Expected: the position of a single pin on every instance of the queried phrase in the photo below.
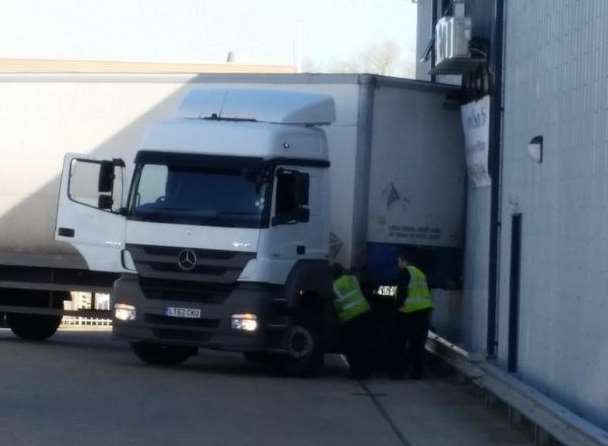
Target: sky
(334, 33)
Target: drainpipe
(433, 23)
(496, 111)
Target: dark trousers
(408, 341)
(383, 313)
(357, 342)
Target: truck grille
(181, 290)
(212, 266)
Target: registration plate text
(190, 313)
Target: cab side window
(96, 184)
(292, 197)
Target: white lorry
(220, 221)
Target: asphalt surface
(84, 388)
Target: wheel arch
(308, 279)
(309, 287)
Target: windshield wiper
(217, 219)
(182, 210)
(222, 217)
(156, 216)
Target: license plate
(190, 313)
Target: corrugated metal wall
(556, 85)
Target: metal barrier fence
(550, 420)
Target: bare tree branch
(385, 58)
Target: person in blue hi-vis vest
(353, 312)
(411, 321)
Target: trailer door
(90, 213)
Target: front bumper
(213, 329)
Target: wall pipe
(433, 23)
(496, 112)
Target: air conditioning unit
(452, 38)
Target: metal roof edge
(414, 84)
(227, 78)
(253, 78)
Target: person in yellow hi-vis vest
(411, 321)
(353, 311)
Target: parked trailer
(396, 178)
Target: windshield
(196, 195)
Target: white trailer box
(392, 139)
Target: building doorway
(514, 289)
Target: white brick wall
(556, 85)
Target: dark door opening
(514, 287)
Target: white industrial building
(536, 256)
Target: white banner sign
(476, 125)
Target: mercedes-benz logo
(186, 260)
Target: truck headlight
(124, 312)
(244, 322)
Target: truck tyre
(159, 354)
(33, 327)
(304, 345)
(36, 327)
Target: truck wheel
(159, 354)
(33, 327)
(304, 345)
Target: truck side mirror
(105, 202)
(106, 178)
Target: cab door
(297, 229)
(90, 214)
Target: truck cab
(222, 238)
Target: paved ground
(87, 389)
